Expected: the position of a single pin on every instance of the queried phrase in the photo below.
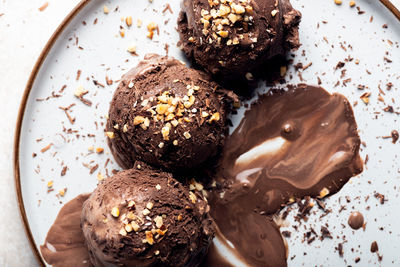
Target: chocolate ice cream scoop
(232, 38)
(167, 115)
(145, 218)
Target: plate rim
(24, 100)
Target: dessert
(167, 115)
(307, 146)
(145, 218)
(232, 38)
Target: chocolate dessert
(308, 145)
(232, 38)
(145, 218)
(167, 115)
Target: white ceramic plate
(98, 50)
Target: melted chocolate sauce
(290, 144)
(65, 245)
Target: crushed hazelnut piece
(145, 212)
(159, 221)
(61, 192)
(132, 49)
(274, 12)
(192, 197)
(179, 218)
(99, 150)
(122, 33)
(128, 228)
(158, 187)
(249, 76)
(324, 192)
(110, 135)
(187, 135)
(352, 3)
(125, 128)
(123, 232)
(135, 226)
(128, 21)
(50, 184)
(130, 85)
(149, 238)
(80, 91)
(157, 252)
(338, 2)
(175, 142)
(138, 120)
(106, 10)
(100, 177)
(161, 145)
(115, 212)
(214, 117)
(131, 204)
(149, 205)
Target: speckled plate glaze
(89, 40)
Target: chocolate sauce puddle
(290, 144)
(64, 245)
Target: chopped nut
(138, 120)
(61, 192)
(125, 128)
(135, 226)
(122, 33)
(238, 9)
(204, 114)
(128, 21)
(80, 91)
(162, 108)
(165, 132)
(128, 228)
(338, 2)
(249, 76)
(324, 192)
(132, 49)
(115, 212)
(106, 10)
(99, 150)
(214, 117)
(161, 145)
(145, 212)
(352, 3)
(274, 12)
(157, 252)
(131, 204)
(100, 177)
(159, 221)
(223, 34)
(130, 85)
(149, 205)
(187, 135)
(192, 197)
(179, 218)
(123, 232)
(149, 238)
(158, 187)
(50, 184)
(365, 97)
(110, 135)
(151, 26)
(145, 124)
(175, 142)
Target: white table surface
(24, 31)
